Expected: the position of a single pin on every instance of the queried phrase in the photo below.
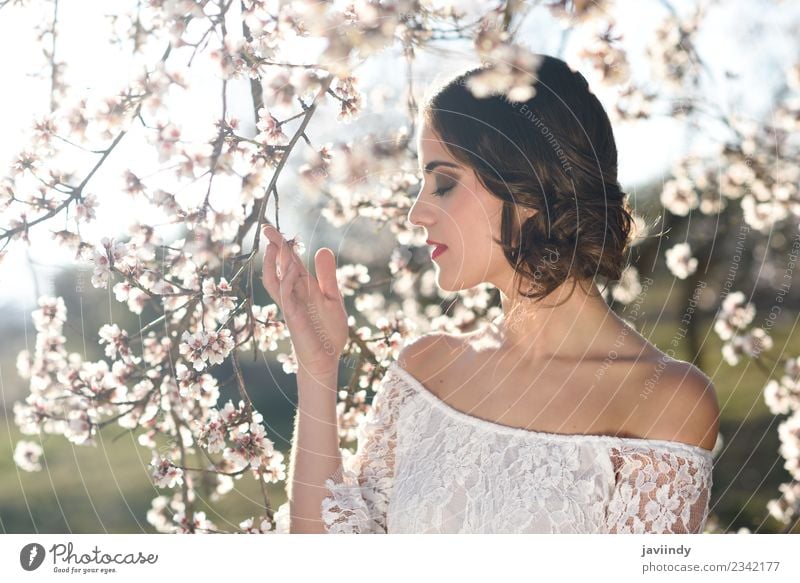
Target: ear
(520, 216)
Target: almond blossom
(202, 347)
(735, 313)
(680, 261)
(787, 507)
(248, 526)
(512, 72)
(218, 297)
(164, 473)
(784, 396)
(629, 286)
(789, 435)
(26, 456)
(212, 433)
(51, 315)
(271, 133)
(116, 341)
(351, 277)
(250, 447)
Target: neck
(573, 329)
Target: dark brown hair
(554, 153)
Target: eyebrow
(430, 166)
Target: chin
(445, 286)
(453, 286)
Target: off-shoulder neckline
(479, 421)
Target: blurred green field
(107, 488)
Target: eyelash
(442, 191)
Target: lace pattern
(658, 492)
(361, 487)
(423, 466)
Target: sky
(742, 37)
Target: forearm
(315, 450)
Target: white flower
(121, 290)
(159, 515)
(731, 351)
(739, 313)
(213, 433)
(136, 300)
(276, 469)
(248, 527)
(789, 435)
(679, 196)
(24, 364)
(271, 132)
(512, 73)
(350, 277)
(763, 216)
(219, 346)
(164, 473)
(755, 342)
(680, 261)
(734, 315)
(629, 287)
(200, 524)
(788, 505)
(250, 447)
(229, 413)
(85, 209)
(224, 485)
(26, 456)
(78, 429)
(102, 269)
(115, 339)
(289, 362)
(51, 315)
(218, 297)
(193, 348)
(779, 399)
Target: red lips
(438, 250)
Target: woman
(557, 417)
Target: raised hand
(313, 310)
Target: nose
(421, 213)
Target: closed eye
(442, 191)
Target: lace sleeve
(360, 488)
(658, 491)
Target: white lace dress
(422, 466)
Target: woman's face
(456, 209)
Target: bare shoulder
(683, 405)
(423, 356)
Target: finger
(268, 275)
(288, 280)
(301, 263)
(276, 240)
(284, 258)
(325, 262)
(286, 253)
(274, 237)
(270, 232)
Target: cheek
(478, 223)
(473, 217)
